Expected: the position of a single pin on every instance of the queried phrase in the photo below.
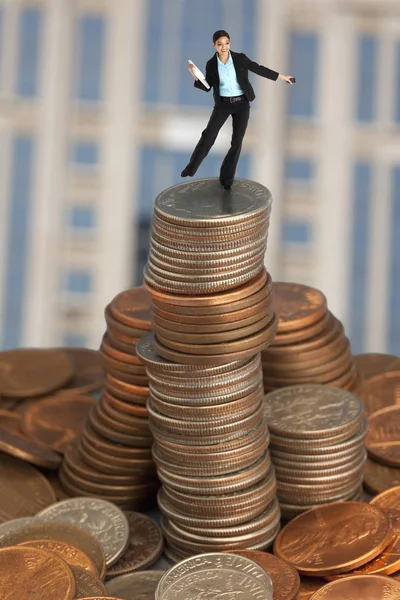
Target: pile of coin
(317, 445)
(113, 459)
(225, 574)
(310, 345)
(69, 547)
(203, 243)
(211, 450)
(353, 544)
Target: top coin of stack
(203, 242)
(310, 345)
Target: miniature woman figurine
(227, 74)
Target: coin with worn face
(87, 584)
(388, 500)
(382, 441)
(102, 519)
(27, 573)
(73, 556)
(335, 538)
(381, 390)
(135, 586)
(297, 305)
(360, 587)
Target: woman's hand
(286, 78)
(191, 69)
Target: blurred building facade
(98, 114)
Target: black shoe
(186, 172)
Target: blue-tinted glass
(85, 153)
(153, 48)
(81, 217)
(394, 273)
(296, 232)
(18, 230)
(79, 282)
(367, 84)
(299, 169)
(397, 85)
(304, 49)
(90, 64)
(30, 30)
(1, 44)
(360, 237)
(74, 340)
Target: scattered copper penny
(25, 491)
(27, 573)
(360, 587)
(73, 556)
(388, 500)
(334, 538)
(133, 307)
(28, 372)
(88, 370)
(309, 585)
(145, 545)
(87, 584)
(285, 578)
(10, 421)
(382, 441)
(20, 446)
(57, 421)
(63, 532)
(371, 364)
(381, 390)
(378, 478)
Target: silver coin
(102, 519)
(204, 203)
(17, 525)
(215, 575)
(135, 586)
(86, 583)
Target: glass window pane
(304, 49)
(82, 217)
(85, 153)
(296, 231)
(30, 30)
(367, 84)
(90, 63)
(397, 85)
(299, 169)
(79, 282)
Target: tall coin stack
(317, 445)
(212, 315)
(310, 345)
(113, 460)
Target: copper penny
(379, 478)
(372, 364)
(20, 446)
(63, 532)
(381, 391)
(28, 372)
(388, 500)
(11, 421)
(334, 538)
(132, 307)
(145, 545)
(382, 441)
(102, 445)
(309, 585)
(297, 305)
(285, 578)
(25, 491)
(109, 349)
(88, 370)
(57, 421)
(73, 556)
(27, 573)
(86, 584)
(360, 587)
(286, 338)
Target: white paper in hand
(199, 75)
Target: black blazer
(243, 65)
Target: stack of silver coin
(317, 445)
(200, 246)
(205, 377)
(215, 575)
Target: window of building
(397, 86)
(1, 45)
(30, 31)
(367, 79)
(85, 154)
(82, 218)
(90, 59)
(298, 169)
(304, 50)
(79, 282)
(296, 231)
(74, 340)
(23, 154)
(393, 323)
(360, 236)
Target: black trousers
(240, 112)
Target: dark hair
(220, 33)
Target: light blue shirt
(228, 83)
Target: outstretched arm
(265, 72)
(197, 83)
